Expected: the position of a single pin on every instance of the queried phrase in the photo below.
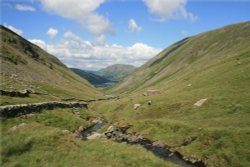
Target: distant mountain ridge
(107, 76)
(93, 78)
(116, 72)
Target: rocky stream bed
(120, 134)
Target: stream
(159, 151)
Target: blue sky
(92, 34)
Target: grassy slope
(42, 142)
(217, 64)
(25, 65)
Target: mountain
(192, 59)
(193, 96)
(93, 78)
(26, 66)
(116, 72)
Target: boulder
(151, 92)
(158, 144)
(200, 102)
(111, 128)
(136, 106)
(95, 136)
(80, 129)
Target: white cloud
(52, 32)
(16, 30)
(25, 8)
(169, 9)
(100, 41)
(82, 11)
(133, 27)
(76, 52)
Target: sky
(93, 34)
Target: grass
(42, 142)
(26, 66)
(216, 66)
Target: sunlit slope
(26, 66)
(214, 66)
(216, 57)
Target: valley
(187, 106)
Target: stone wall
(21, 109)
(12, 93)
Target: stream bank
(120, 134)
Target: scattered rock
(80, 129)
(21, 125)
(14, 128)
(95, 121)
(76, 134)
(30, 115)
(158, 144)
(96, 136)
(200, 102)
(171, 154)
(111, 128)
(151, 92)
(69, 99)
(65, 131)
(136, 106)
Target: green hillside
(94, 79)
(116, 72)
(26, 66)
(193, 55)
(215, 66)
(48, 138)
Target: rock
(171, 154)
(152, 92)
(111, 128)
(95, 121)
(95, 136)
(76, 134)
(69, 99)
(30, 115)
(108, 134)
(21, 125)
(149, 102)
(65, 131)
(80, 129)
(133, 139)
(14, 128)
(136, 106)
(200, 102)
(189, 85)
(158, 144)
